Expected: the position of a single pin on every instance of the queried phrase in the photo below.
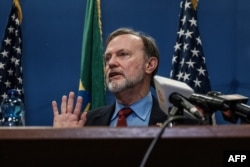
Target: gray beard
(125, 83)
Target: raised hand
(70, 116)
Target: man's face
(124, 62)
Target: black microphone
(211, 104)
(179, 101)
(243, 111)
(237, 104)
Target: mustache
(112, 73)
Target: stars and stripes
(11, 76)
(188, 62)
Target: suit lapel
(103, 115)
(157, 115)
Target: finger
(70, 103)
(78, 106)
(83, 119)
(55, 108)
(64, 104)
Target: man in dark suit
(131, 60)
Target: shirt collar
(141, 108)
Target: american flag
(188, 62)
(11, 76)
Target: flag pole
(194, 4)
(19, 10)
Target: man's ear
(151, 65)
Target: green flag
(91, 86)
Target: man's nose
(112, 62)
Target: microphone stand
(187, 119)
(175, 116)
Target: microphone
(165, 87)
(237, 106)
(181, 102)
(210, 104)
(243, 111)
(171, 97)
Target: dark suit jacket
(102, 115)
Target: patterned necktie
(123, 113)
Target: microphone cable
(157, 137)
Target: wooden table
(104, 146)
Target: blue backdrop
(52, 36)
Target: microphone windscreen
(165, 87)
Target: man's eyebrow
(120, 50)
